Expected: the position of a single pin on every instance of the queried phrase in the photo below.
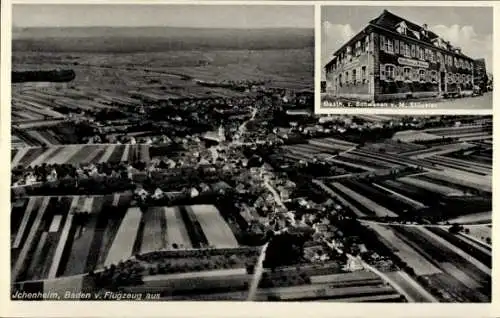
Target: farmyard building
(394, 59)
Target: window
(427, 54)
(440, 57)
(382, 43)
(340, 80)
(389, 46)
(421, 75)
(407, 50)
(402, 28)
(421, 53)
(407, 74)
(396, 47)
(413, 52)
(389, 72)
(354, 76)
(455, 62)
(450, 78)
(358, 48)
(347, 77)
(433, 56)
(363, 74)
(434, 76)
(367, 43)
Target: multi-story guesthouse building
(393, 59)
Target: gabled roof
(389, 20)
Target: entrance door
(443, 81)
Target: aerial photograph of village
(169, 157)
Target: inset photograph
(437, 58)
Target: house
(393, 58)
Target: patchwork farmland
(338, 287)
(452, 186)
(56, 237)
(79, 154)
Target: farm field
(153, 236)
(450, 179)
(124, 241)
(392, 147)
(217, 231)
(366, 161)
(480, 217)
(368, 204)
(56, 237)
(79, 154)
(480, 182)
(358, 286)
(441, 206)
(397, 159)
(438, 150)
(467, 166)
(479, 233)
(440, 189)
(419, 264)
(180, 70)
(451, 131)
(459, 267)
(410, 287)
(177, 235)
(46, 132)
(332, 144)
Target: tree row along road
(418, 225)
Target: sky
(195, 16)
(470, 28)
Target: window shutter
(382, 43)
(396, 46)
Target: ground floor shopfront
(399, 79)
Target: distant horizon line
(158, 26)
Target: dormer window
(424, 29)
(402, 28)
